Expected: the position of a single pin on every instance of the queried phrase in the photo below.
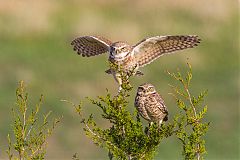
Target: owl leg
(151, 123)
(119, 88)
(147, 128)
(118, 79)
(160, 122)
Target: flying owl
(130, 58)
(150, 104)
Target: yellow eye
(118, 51)
(140, 89)
(150, 89)
(123, 49)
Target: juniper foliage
(190, 122)
(30, 135)
(129, 139)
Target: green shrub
(127, 138)
(30, 135)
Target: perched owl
(150, 104)
(130, 58)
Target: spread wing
(91, 45)
(152, 48)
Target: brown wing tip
(80, 45)
(194, 40)
(73, 43)
(198, 40)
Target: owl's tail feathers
(139, 73)
(165, 118)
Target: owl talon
(160, 122)
(109, 71)
(139, 73)
(119, 88)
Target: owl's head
(146, 89)
(120, 50)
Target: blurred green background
(35, 47)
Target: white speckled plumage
(128, 57)
(150, 104)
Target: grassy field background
(35, 47)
